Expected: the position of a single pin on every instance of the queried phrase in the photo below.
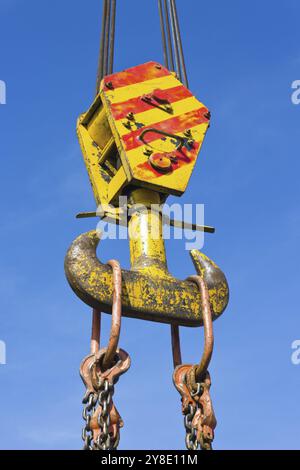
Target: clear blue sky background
(242, 58)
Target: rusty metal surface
(102, 419)
(193, 381)
(204, 421)
(165, 300)
(200, 421)
(96, 325)
(197, 371)
(201, 368)
(176, 350)
(181, 386)
(112, 347)
(116, 315)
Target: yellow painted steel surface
(149, 291)
(144, 295)
(146, 243)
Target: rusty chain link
(97, 409)
(201, 420)
(88, 411)
(100, 371)
(102, 419)
(191, 434)
(193, 381)
(106, 440)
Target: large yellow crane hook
(140, 140)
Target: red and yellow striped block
(151, 114)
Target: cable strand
(163, 33)
(179, 42)
(100, 69)
(169, 37)
(112, 37)
(107, 34)
(175, 42)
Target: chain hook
(195, 376)
(193, 381)
(110, 351)
(198, 370)
(100, 371)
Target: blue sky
(242, 58)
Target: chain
(96, 413)
(90, 403)
(100, 371)
(191, 433)
(199, 418)
(105, 440)
(193, 381)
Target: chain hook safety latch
(100, 371)
(193, 381)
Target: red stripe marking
(137, 105)
(173, 126)
(137, 74)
